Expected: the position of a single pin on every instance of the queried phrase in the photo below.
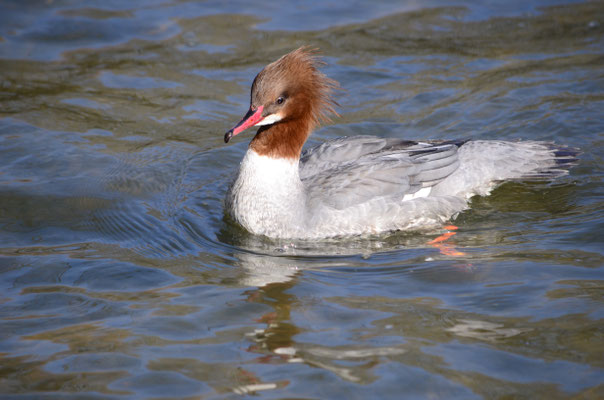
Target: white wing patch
(423, 192)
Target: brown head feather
(299, 71)
(309, 102)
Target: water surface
(121, 277)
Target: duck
(358, 185)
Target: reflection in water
(483, 330)
(263, 270)
(121, 277)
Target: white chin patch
(271, 119)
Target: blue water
(121, 277)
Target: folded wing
(352, 170)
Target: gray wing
(345, 149)
(352, 170)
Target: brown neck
(282, 140)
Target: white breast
(267, 196)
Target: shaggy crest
(310, 83)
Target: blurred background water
(121, 277)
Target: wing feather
(347, 171)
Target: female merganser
(361, 184)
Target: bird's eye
(280, 100)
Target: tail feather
(486, 163)
(563, 157)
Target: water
(121, 277)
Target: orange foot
(444, 248)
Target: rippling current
(121, 277)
